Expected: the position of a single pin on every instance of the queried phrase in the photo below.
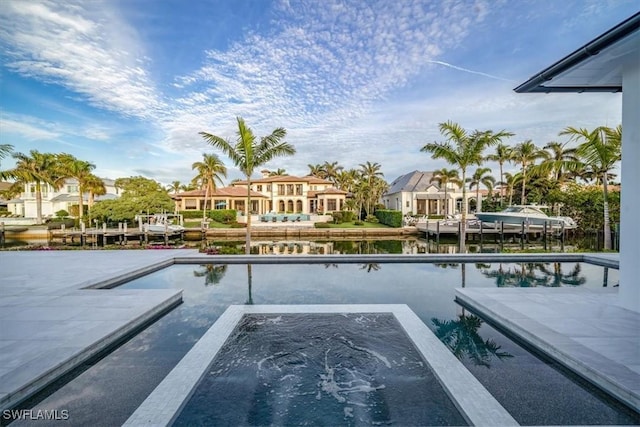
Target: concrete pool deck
(50, 323)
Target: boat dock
(121, 235)
(477, 231)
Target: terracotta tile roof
(331, 190)
(286, 178)
(219, 192)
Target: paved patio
(49, 323)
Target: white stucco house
(610, 63)
(54, 200)
(416, 194)
(281, 194)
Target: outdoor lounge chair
(285, 219)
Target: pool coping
(472, 400)
(48, 371)
(609, 375)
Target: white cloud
(19, 125)
(82, 46)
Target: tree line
(543, 170)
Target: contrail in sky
(469, 71)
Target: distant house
(54, 200)
(280, 193)
(415, 193)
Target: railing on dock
(100, 236)
(477, 231)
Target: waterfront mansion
(280, 193)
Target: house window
(259, 187)
(289, 189)
(190, 204)
(298, 189)
(331, 204)
(280, 189)
(299, 206)
(407, 203)
(269, 187)
(72, 189)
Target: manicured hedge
(224, 216)
(389, 217)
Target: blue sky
(128, 84)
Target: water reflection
(526, 275)
(462, 338)
(370, 267)
(212, 273)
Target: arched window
(299, 206)
(281, 206)
(290, 206)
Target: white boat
(160, 223)
(530, 215)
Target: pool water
(535, 391)
(319, 369)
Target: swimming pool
(532, 389)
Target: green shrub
(224, 216)
(372, 219)
(337, 217)
(359, 223)
(56, 224)
(389, 217)
(321, 225)
(348, 216)
(62, 213)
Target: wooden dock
(121, 235)
(476, 231)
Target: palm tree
(37, 168)
(347, 179)
(278, 172)
(316, 170)
(209, 171)
(81, 171)
(5, 149)
(247, 153)
(95, 186)
(369, 173)
(463, 150)
(560, 163)
(502, 154)
(526, 153)
(480, 176)
(600, 151)
(331, 171)
(443, 177)
(175, 187)
(510, 182)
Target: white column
(629, 293)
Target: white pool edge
(473, 401)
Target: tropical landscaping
(575, 177)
